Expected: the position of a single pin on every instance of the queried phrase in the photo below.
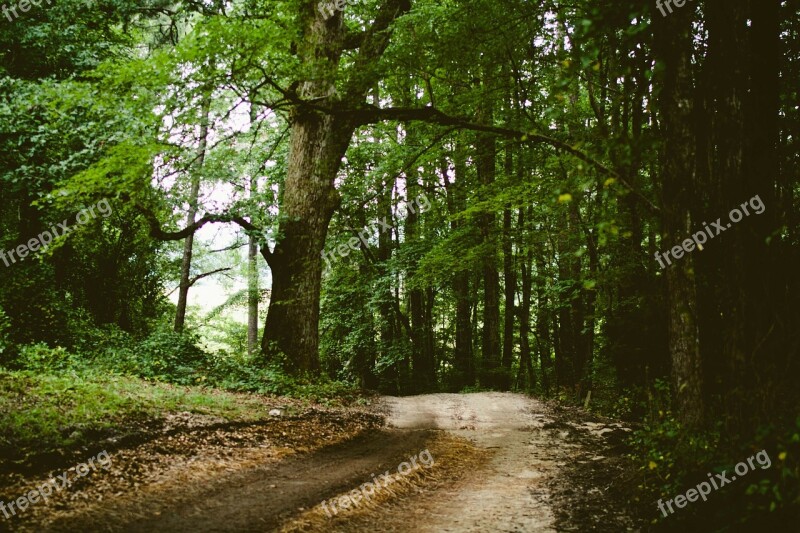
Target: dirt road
(504, 463)
(511, 493)
(542, 476)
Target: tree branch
(369, 114)
(158, 233)
(197, 278)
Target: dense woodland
(419, 196)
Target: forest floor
(483, 462)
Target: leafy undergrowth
(672, 460)
(169, 357)
(49, 420)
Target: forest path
(543, 468)
(511, 493)
(499, 462)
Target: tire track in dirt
(255, 499)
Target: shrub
(5, 327)
(163, 355)
(42, 358)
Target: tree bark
(318, 143)
(510, 284)
(464, 370)
(673, 47)
(543, 321)
(525, 360)
(188, 243)
(422, 364)
(486, 156)
(252, 283)
(389, 327)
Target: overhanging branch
(369, 114)
(158, 233)
(197, 278)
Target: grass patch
(46, 413)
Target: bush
(170, 357)
(41, 358)
(5, 327)
(672, 460)
(163, 355)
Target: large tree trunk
(745, 135)
(768, 268)
(673, 48)
(317, 144)
(567, 328)
(727, 35)
(580, 341)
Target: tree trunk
(768, 268)
(422, 365)
(580, 340)
(464, 371)
(567, 328)
(525, 362)
(318, 143)
(388, 324)
(543, 337)
(188, 243)
(252, 283)
(509, 282)
(673, 46)
(490, 347)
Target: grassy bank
(46, 417)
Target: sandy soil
(544, 469)
(510, 493)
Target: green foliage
(5, 326)
(167, 357)
(42, 358)
(777, 494)
(348, 324)
(672, 460)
